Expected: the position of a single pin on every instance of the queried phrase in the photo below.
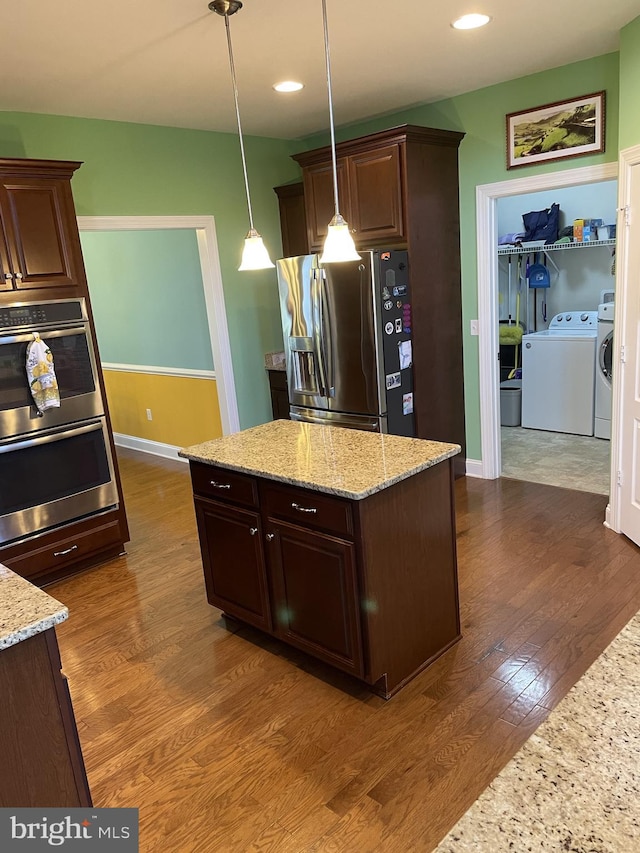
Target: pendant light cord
(333, 136)
(235, 96)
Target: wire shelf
(553, 247)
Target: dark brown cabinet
(41, 260)
(233, 561)
(368, 586)
(399, 188)
(41, 243)
(315, 594)
(42, 760)
(293, 219)
(279, 394)
(371, 199)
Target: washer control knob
(568, 317)
(584, 317)
(559, 318)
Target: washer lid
(586, 334)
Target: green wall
(481, 115)
(147, 296)
(143, 170)
(138, 169)
(630, 84)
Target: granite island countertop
(346, 462)
(25, 609)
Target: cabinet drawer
(222, 484)
(58, 553)
(309, 508)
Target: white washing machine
(604, 367)
(558, 375)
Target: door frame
(487, 196)
(205, 229)
(629, 158)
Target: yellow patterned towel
(41, 375)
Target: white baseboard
(474, 468)
(156, 448)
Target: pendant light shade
(254, 254)
(339, 245)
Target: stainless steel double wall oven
(57, 466)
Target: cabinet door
(318, 196)
(42, 232)
(375, 190)
(6, 274)
(293, 219)
(315, 586)
(233, 561)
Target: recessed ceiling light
(470, 22)
(288, 86)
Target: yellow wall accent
(185, 410)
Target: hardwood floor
(227, 740)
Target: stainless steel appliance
(55, 467)
(348, 340)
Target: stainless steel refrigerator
(347, 331)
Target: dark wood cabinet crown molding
(402, 133)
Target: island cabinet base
(42, 759)
(368, 586)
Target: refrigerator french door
(347, 332)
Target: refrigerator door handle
(317, 300)
(326, 340)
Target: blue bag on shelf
(542, 224)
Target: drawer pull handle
(303, 508)
(253, 530)
(271, 537)
(65, 552)
(217, 485)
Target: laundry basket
(511, 402)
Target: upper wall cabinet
(39, 243)
(371, 190)
(293, 221)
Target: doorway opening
(212, 300)
(489, 308)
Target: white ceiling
(165, 61)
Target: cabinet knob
(220, 485)
(8, 276)
(19, 275)
(303, 508)
(253, 530)
(270, 537)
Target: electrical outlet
(149, 415)
(474, 327)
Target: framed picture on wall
(556, 131)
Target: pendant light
(338, 245)
(254, 254)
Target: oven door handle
(50, 438)
(52, 333)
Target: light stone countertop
(25, 610)
(346, 462)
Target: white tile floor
(556, 458)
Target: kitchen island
(339, 542)
(42, 760)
